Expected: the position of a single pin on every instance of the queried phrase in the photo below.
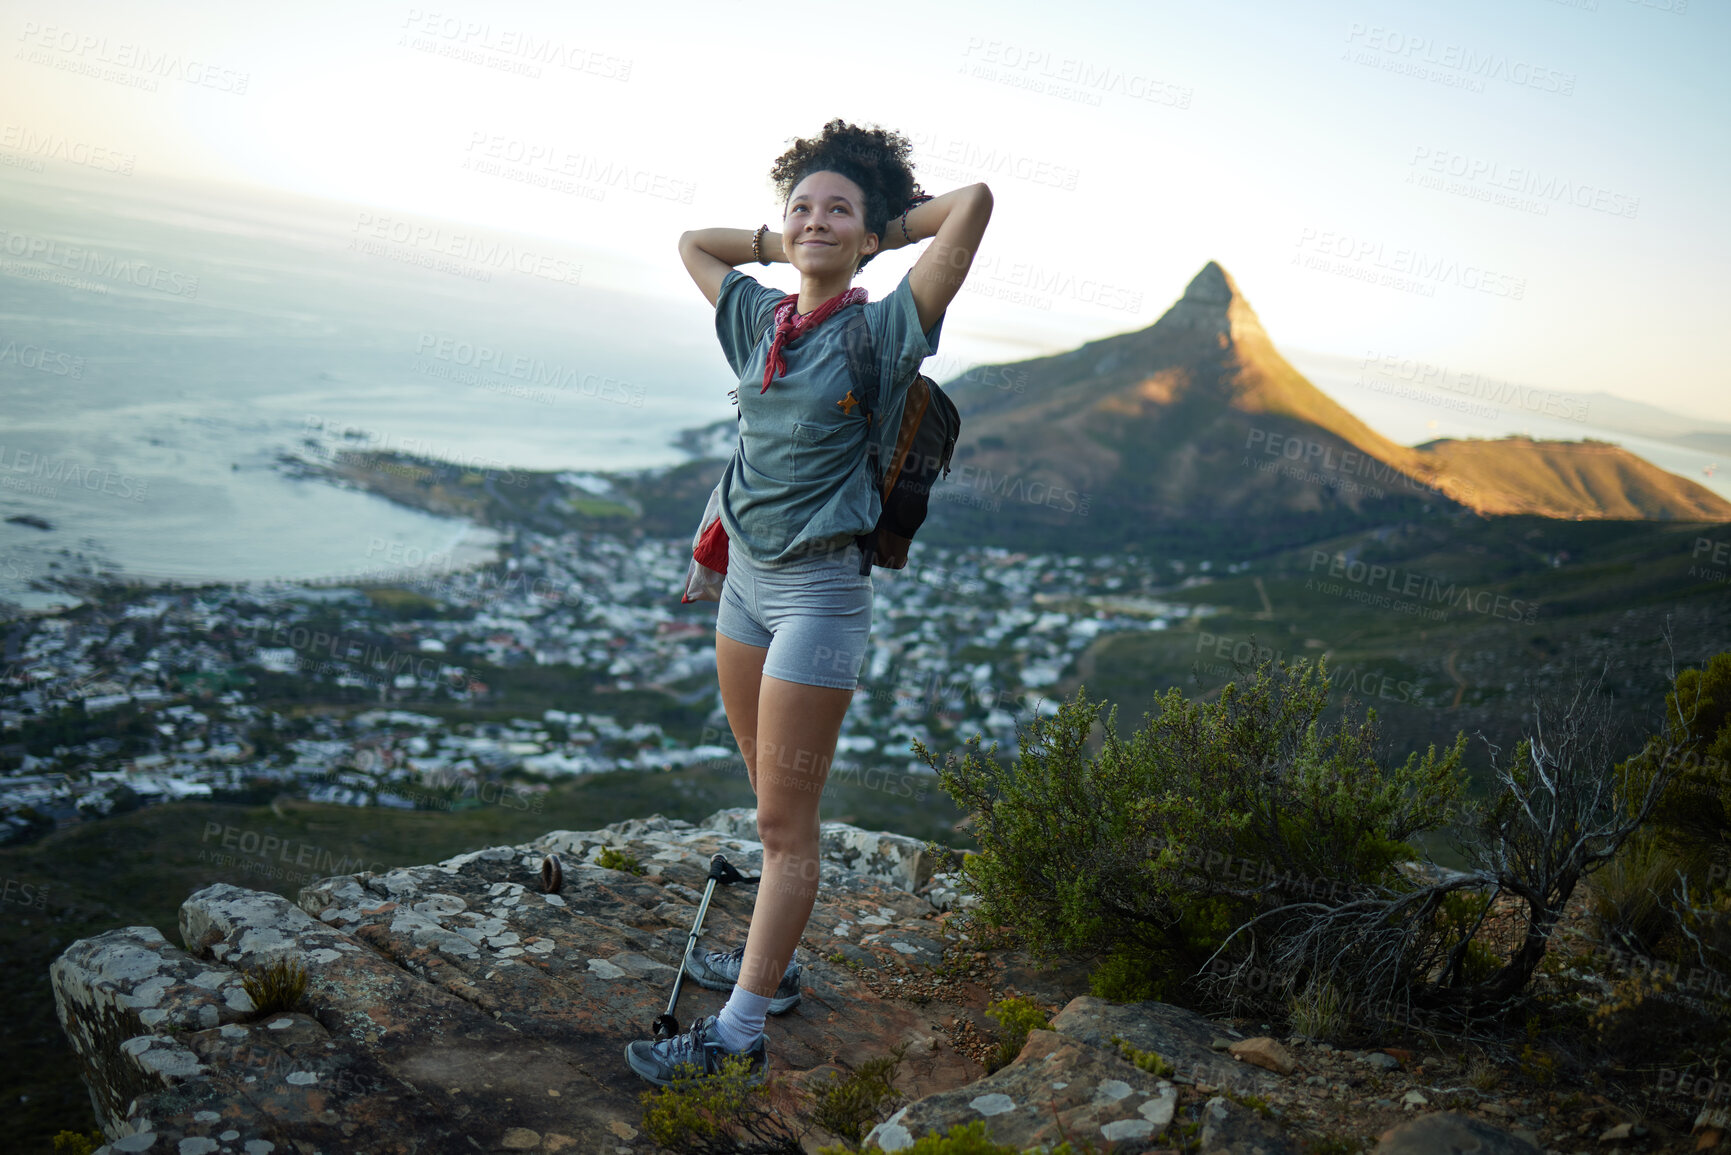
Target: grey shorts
(813, 614)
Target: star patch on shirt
(849, 403)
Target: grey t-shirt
(798, 480)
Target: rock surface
(1451, 1133)
(1264, 1052)
(457, 1007)
(1230, 1128)
(1058, 1087)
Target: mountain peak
(1212, 286)
(1213, 306)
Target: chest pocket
(824, 449)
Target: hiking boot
(695, 1054)
(719, 971)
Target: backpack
(927, 438)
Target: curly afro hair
(873, 158)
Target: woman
(791, 630)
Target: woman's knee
(787, 831)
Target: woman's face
(824, 231)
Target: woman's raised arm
(709, 253)
(956, 221)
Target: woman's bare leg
(787, 735)
(797, 727)
(740, 668)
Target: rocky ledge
(459, 1007)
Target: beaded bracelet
(757, 245)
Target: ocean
(162, 349)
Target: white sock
(741, 1020)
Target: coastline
(471, 544)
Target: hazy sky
(1532, 189)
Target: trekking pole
(724, 872)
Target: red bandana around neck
(790, 326)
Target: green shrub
(1318, 1011)
(721, 1114)
(1459, 917)
(1212, 813)
(1694, 813)
(1151, 1061)
(1665, 899)
(1631, 895)
(618, 860)
(1254, 1102)
(1126, 977)
(1640, 900)
(1017, 1016)
(73, 1143)
(275, 987)
(848, 1106)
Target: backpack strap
(862, 365)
